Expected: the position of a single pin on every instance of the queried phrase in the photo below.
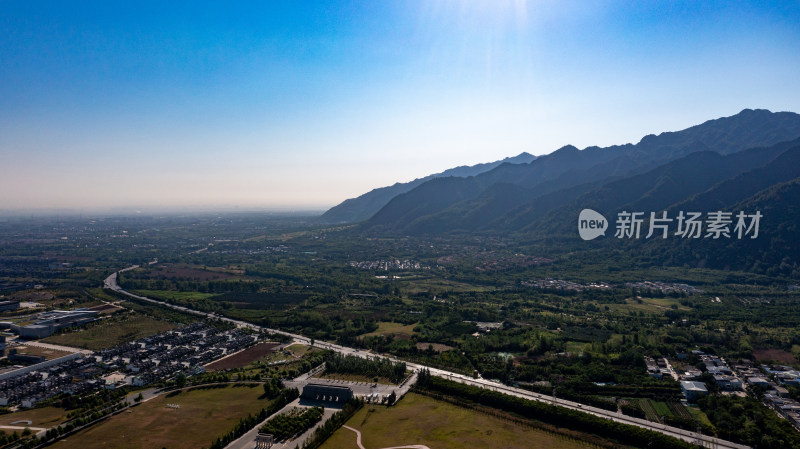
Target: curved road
(685, 435)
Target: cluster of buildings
(773, 380)
(664, 287)
(560, 284)
(161, 356)
(725, 378)
(145, 361)
(693, 390)
(8, 304)
(659, 367)
(391, 264)
(27, 386)
(45, 324)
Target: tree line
(372, 367)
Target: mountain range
(748, 161)
(365, 206)
(658, 171)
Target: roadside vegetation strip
(375, 367)
(293, 422)
(560, 416)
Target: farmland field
(417, 419)
(187, 272)
(111, 332)
(243, 358)
(662, 408)
(395, 329)
(201, 416)
(776, 355)
(647, 407)
(172, 296)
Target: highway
(692, 437)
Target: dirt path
(53, 347)
(361, 446)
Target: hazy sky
(300, 103)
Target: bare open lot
(47, 353)
(243, 358)
(776, 355)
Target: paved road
(692, 437)
(248, 440)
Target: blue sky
(304, 104)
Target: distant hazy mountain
(365, 206)
(656, 172)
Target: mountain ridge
(562, 173)
(358, 209)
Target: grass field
(422, 283)
(419, 419)
(298, 349)
(40, 417)
(188, 272)
(649, 305)
(395, 329)
(101, 294)
(203, 416)
(661, 408)
(700, 417)
(169, 295)
(111, 332)
(577, 347)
